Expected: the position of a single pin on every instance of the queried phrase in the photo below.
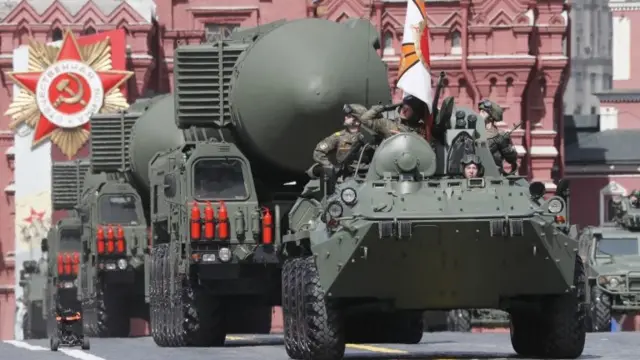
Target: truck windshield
(618, 246)
(219, 179)
(118, 209)
(70, 240)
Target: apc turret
(222, 160)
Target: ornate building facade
(511, 51)
(603, 152)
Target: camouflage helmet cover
(355, 110)
(493, 110)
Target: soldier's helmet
(492, 109)
(471, 159)
(418, 106)
(356, 110)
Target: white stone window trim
(611, 189)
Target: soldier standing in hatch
(410, 118)
(500, 143)
(471, 166)
(339, 143)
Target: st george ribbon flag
(413, 76)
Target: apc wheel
(559, 331)
(322, 328)
(113, 317)
(86, 345)
(54, 343)
(600, 314)
(459, 321)
(289, 309)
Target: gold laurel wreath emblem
(24, 109)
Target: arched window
(456, 42)
(56, 34)
(388, 44)
(608, 196)
(89, 31)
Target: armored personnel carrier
(223, 161)
(33, 278)
(407, 233)
(612, 258)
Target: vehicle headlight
(555, 206)
(122, 264)
(208, 257)
(224, 254)
(613, 282)
(349, 196)
(334, 210)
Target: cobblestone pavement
(442, 346)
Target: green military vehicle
(407, 233)
(33, 278)
(612, 258)
(114, 247)
(223, 161)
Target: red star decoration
(34, 215)
(68, 51)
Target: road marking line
(377, 349)
(79, 354)
(25, 345)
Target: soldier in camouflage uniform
(339, 143)
(410, 118)
(499, 142)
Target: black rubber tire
(54, 343)
(600, 314)
(322, 330)
(405, 327)
(86, 345)
(201, 316)
(459, 320)
(155, 293)
(558, 332)
(113, 317)
(289, 310)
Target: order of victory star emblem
(63, 88)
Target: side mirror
(169, 186)
(537, 189)
(563, 189)
(44, 245)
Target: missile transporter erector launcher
(409, 233)
(113, 249)
(612, 258)
(218, 160)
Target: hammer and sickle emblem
(74, 97)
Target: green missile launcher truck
(408, 233)
(223, 160)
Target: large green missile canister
(275, 91)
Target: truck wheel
(155, 291)
(559, 331)
(600, 310)
(322, 327)
(289, 309)
(201, 316)
(405, 327)
(459, 320)
(113, 319)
